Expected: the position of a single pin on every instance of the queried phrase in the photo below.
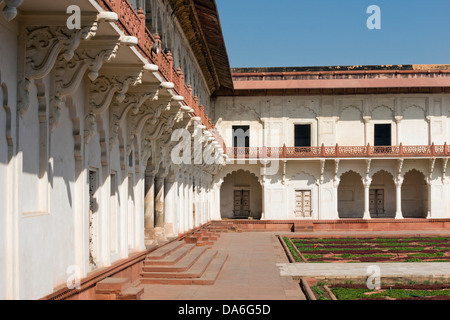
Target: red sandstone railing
(340, 152)
(132, 23)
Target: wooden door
(380, 201)
(241, 203)
(376, 201)
(302, 203)
(372, 201)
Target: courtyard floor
(250, 273)
(257, 269)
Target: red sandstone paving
(250, 273)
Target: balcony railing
(132, 23)
(340, 152)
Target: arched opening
(241, 196)
(414, 195)
(351, 196)
(382, 195)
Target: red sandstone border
(125, 266)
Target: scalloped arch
(350, 171)
(225, 176)
(298, 174)
(351, 107)
(308, 109)
(416, 170)
(382, 106)
(383, 171)
(414, 106)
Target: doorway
(241, 204)
(376, 202)
(302, 203)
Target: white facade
(90, 129)
(339, 187)
(85, 134)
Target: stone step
(173, 257)
(164, 251)
(185, 263)
(303, 227)
(191, 239)
(211, 273)
(111, 288)
(195, 271)
(208, 277)
(132, 293)
(112, 284)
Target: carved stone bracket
(336, 169)
(322, 171)
(43, 46)
(68, 75)
(133, 102)
(105, 89)
(444, 170)
(432, 164)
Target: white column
(181, 206)
(216, 214)
(187, 202)
(366, 129)
(139, 218)
(169, 206)
(367, 183)
(398, 185)
(264, 215)
(335, 198)
(149, 207)
(398, 123)
(429, 204)
(191, 202)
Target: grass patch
(292, 249)
(413, 260)
(313, 256)
(375, 255)
(352, 294)
(427, 255)
(319, 292)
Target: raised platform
(341, 225)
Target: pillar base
(398, 216)
(169, 230)
(160, 235)
(367, 216)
